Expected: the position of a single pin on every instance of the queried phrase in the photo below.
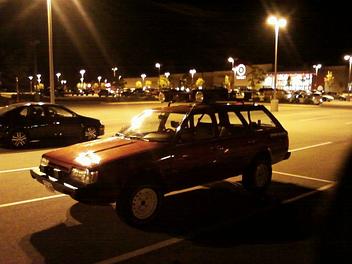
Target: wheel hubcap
(19, 139)
(144, 203)
(90, 133)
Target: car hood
(106, 150)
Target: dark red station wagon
(166, 149)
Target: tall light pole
(58, 76)
(51, 56)
(349, 59)
(316, 67)
(143, 75)
(232, 61)
(192, 72)
(82, 72)
(30, 83)
(277, 22)
(114, 69)
(158, 65)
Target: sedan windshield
(154, 126)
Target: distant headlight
(84, 175)
(44, 162)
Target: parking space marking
(16, 170)
(303, 177)
(311, 146)
(32, 200)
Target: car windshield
(152, 125)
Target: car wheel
(90, 133)
(140, 205)
(18, 139)
(257, 177)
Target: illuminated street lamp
(99, 79)
(167, 74)
(158, 65)
(39, 76)
(82, 72)
(143, 75)
(316, 67)
(58, 76)
(30, 83)
(277, 22)
(349, 59)
(114, 69)
(232, 61)
(192, 72)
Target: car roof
(185, 108)
(15, 105)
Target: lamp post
(114, 69)
(58, 76)
(277, 22)
(99, 80)
(158, 65)
(51, 56)
(192, 72)
(232, 61)
(82, 72)
(30, 83)
(349, 59)
(167, 74)
(316, 67)
(143, 75)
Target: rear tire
(18, 139)
(139, 205)
(257, 177)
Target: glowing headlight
(88, 158)
(44, 162)
(84, 175)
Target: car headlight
(44, 162)
(84, 175)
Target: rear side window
(258, 119)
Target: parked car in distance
(22, 123)
(166, 149)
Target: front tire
(139, 205)
(257, 177)
(90, 133)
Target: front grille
(55, 171)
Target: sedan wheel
(18, 139)
(139, 206)
(90, 133)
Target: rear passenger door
(237, 143)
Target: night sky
(135, 34)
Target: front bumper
(88, 194)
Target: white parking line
(303, 177)
(33, 200)
(16, 170)
(312, 146)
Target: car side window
(234, 127)
(55, 111)
(260, 120)
(203, 127)
(24, 112)
(37, 111)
